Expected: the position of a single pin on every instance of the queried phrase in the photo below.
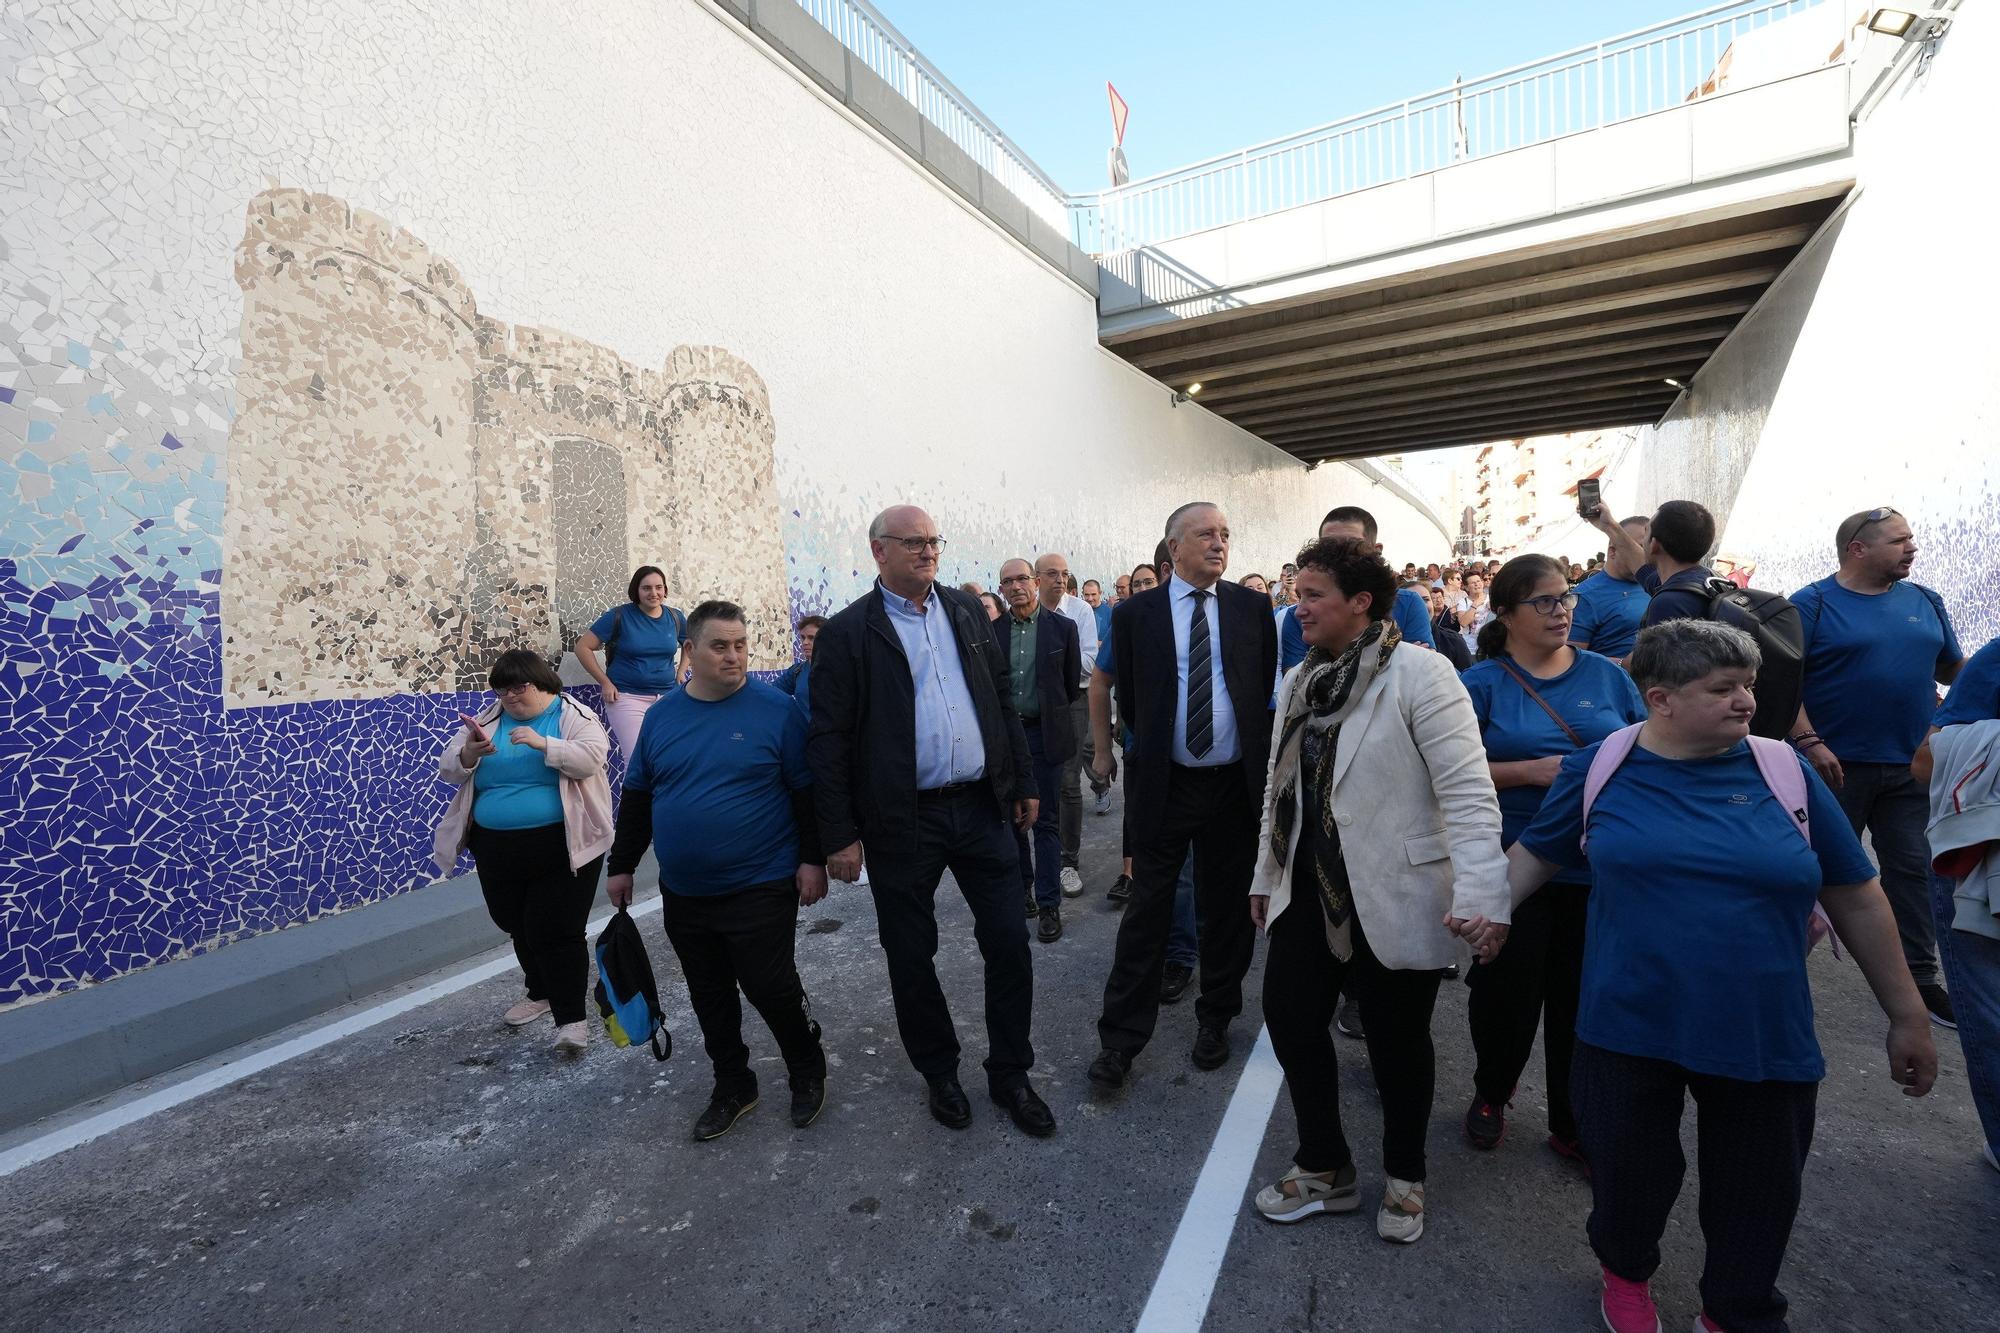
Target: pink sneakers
(1628, 1306)
(1703, 1324)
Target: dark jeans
(543, 905)
(1751, 1139)
(744, 939)
(1539, 973)
(1886, 800)
(1184, 940)
(1041, 869)
(1208, 809)
(963, 831)
(1302, 982)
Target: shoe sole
(1076, 892)
(1348, 1032)
(1046, 938)
(1410, 1239)
(1945, 1023)
(1106, 1085)
(1484, 1146)
(523, 1022)
(1614, 1328)
(1209, 1065)
(747, 1108)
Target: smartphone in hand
(1589, 498)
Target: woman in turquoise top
(1538, 700)
(518, 757)
(643, 642)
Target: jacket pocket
(1427, 847)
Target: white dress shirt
(1085, 617)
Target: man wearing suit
(918, 759)
(1192, 663)
(1045, 664)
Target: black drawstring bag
(627, 997)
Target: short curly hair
(1356, 567)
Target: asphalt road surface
(439, 1172)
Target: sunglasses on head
(1862, 522)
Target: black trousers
(543, 905)
(1210, 809)
(1752, 1140)
(1302, 985)
(744, 940)
(1533, 983)
(961, 830)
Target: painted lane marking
(1179, 1299)
(75, 1135)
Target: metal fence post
(1409, 165)
(1600, 85)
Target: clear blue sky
(1205, 78)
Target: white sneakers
(572, 1038)
(524, 1013)
(1072, 883)
(1401, 1216)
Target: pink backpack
(1776, 764)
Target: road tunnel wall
(344, 343)
(1870, 373)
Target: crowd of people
(1546, 773)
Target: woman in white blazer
(1380, 821)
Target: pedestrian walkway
(438, 1171)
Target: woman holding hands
(1706, 859)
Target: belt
(951, 789)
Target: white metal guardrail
(1617, 79)
(861, 28)
(1634, 74)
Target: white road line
(104, 1122)
(1180, 1296)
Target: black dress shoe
(1051, 928)
(724, 1109)
(1031, 1114)
(948, 1104)
(1108, 1070)
(1120, 890)
(1174, 982)
(1034, 908)
(1211, 1048)
(808, 1097)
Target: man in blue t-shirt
(1412, 613)
(1611, 604)
(719, 774)
(1877, 647)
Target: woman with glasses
(1538, 701)
(534, 808)
(642, 648)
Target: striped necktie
(1201, 683)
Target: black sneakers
(808, 1099)
(1939, 1003)
(1485, 1124)
(1120, 890)
(725, 1108)
(1211, 1048)
(1174, 981)
(1050, 929)
(1347, 1020)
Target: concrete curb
(67, 1050)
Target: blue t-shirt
(1871, 666)
(1410, 611)
(1103, 612)
(644, 658)
(1695, 945)
(1975, 695)
(1678, 598)
(514, 787)
(1594, 696)
(1608, 614)
(721, 773)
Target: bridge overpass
(1556, 247)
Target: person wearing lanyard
(1538, 700)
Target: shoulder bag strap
(1611, 752)
(1521, 679)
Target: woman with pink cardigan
(534, 808)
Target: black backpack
(627, 997)
(1775, 624)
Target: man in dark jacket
(1191, 664)
(918, 761)
(1044, 663)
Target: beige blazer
(578, 755)
(1419, 821)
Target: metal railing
(1635, 74)
(860, 28)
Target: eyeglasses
(1864, 521)
(1017, 578)
(917, 545)
(507, 691)
(1549, 605)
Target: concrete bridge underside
(1503, 303)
